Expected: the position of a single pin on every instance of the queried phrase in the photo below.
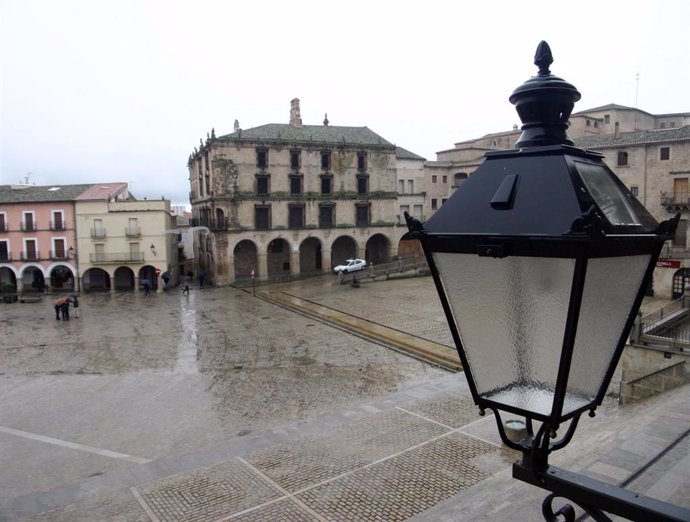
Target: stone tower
(295, 118)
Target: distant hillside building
(649, 153)
(293, 199)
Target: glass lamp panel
(611, 286)
(511, 315)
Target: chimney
(295, 118)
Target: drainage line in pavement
(644, 468)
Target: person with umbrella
(62, 307)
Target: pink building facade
(38, 238)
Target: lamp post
(540, 261)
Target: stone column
(326, 260)
(294, 262)
(262, 269)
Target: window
(362, 215)
(417, 211)
(326, 216)
(434, 179)
(362, 161)
(262, 185)
(445, 179)
(295, 157)
(295, 185)
(362, 184)
(664, 153)
(662, 125)
(410, 186)
(635, 190)
(589, 123)
(262, 158)
(262, 217)
(622, 160)
(3, 222)
(57, 223)
(325, 160)
(326, 184)
(132, 227)
(459, 178)
(672, 124)
(98, 230)
(434, 203)
(30, 250)
(607, 119)
(59, 251)
(401, 186)
(28, 222)
(4, 250)
(596, 124)
(296, 216)
(443, 201)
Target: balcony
(58, 255)
(28, 227)
(5, 256)
(104, 258)
(133, 232)
(212, 224)
(676, 201)
(57, 225)
(30, 256)
(98, 233)
(4, 227)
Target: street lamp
(541, 260)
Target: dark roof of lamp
(624, 139)
(323, 134)
(33, 193)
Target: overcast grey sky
(94, 91)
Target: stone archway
(95, 279)
(32, 279)
(246, 259)
(147, 273)
(310, 256)
(378, 249)
(343, 248)
(8, 280)
(62, 278)
(123, 279)
(278, 258)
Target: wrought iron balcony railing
(28, 227)
(57, 225)
(58, 254)
(133, 231)
(675, 201)
(116, 257)
(30, 256)
(98, 232)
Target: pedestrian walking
(166, 279)
(187, 280)
(202, 277)
(57, 311)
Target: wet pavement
(220, 405)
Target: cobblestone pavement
(220, 406)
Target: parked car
(351, 265)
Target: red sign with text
(668, 263)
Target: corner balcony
(676, 201)
(105, 258)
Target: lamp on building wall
(540, 261)
(153, 249)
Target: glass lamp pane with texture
(510, 314)
(611, 286)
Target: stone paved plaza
(222, 406)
